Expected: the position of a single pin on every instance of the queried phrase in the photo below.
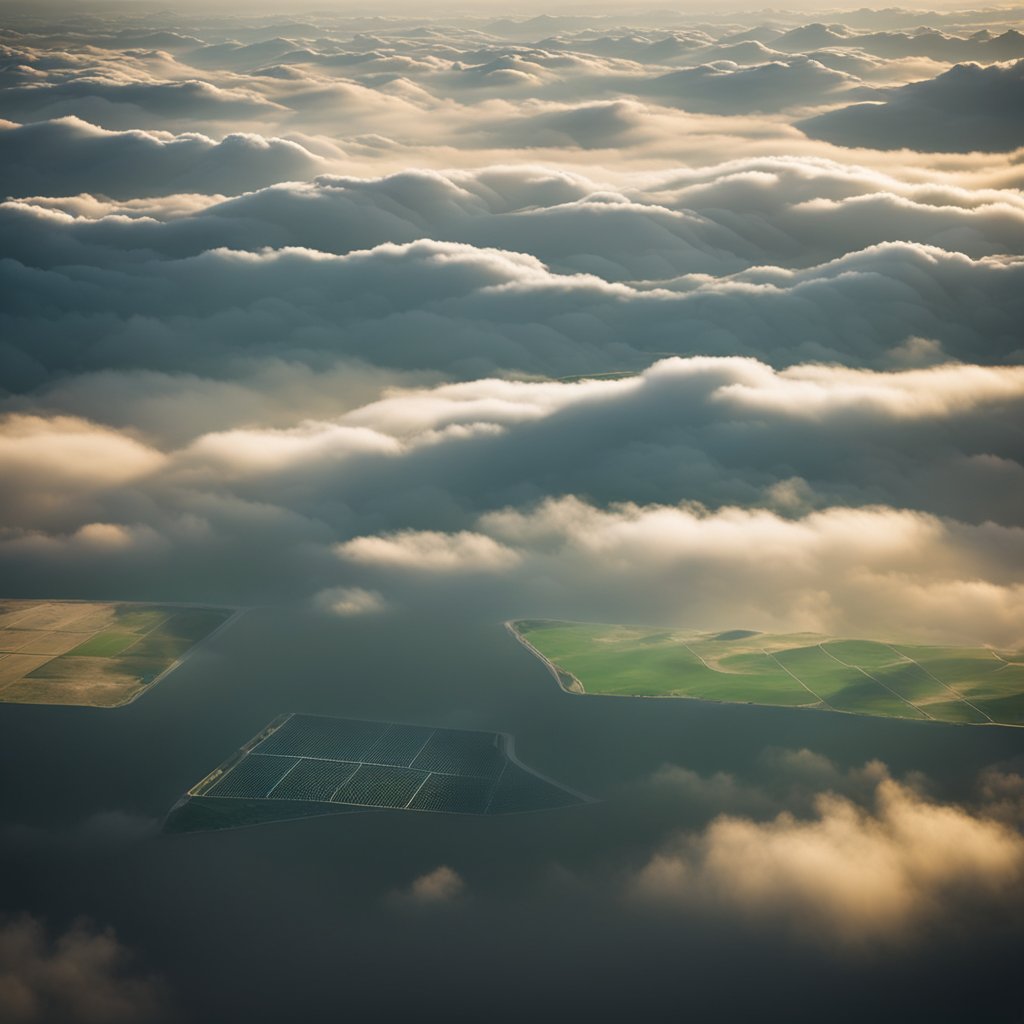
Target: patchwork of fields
(305, 765)
(93, 654)
(974, 685)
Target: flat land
(93, 654)
(975, 685)
(307, 765)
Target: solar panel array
(344, 761)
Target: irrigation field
(87, 653)
(304, 765)
(974, 685)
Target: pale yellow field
(14, 666)
(36, 641)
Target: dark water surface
(299, 921)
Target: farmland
(309, 765)
(94, 654)
(971, 685)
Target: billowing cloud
(82, 976)
(429, 551)
(869, 571)
(469, 311)
(847, 874)
(967, 108)
(815, 491)
(69, 156)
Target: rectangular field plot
(314, 780)
(965, 685)
(399, 745)
(311, 761)
(375, 785)
(464, 794)
(253, 777)
(461, 753)
(93, 654)
(336, 739)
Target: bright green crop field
(976, 685)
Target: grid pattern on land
(253, 777)
(333, 739)
(400, 745)
(375, 764)
(461, 753)
(375, 785)
(464, 794)
(314, 780)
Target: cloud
(122, 105)
(870, 571)
(349, 601)
(797, 346)
(429, 551)
(467, 311)
(698, 467)
(710, 222)
(48, 461)
(437, 887)
(848, 874)
(967, 108)
(82, 976)
(726, 87)
(69, 156)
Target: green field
(104, 645)
(976, 685)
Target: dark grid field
(318, 763)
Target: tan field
(93, 654)
(34, 641)
(14, 666)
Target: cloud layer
(81, 976)
(852, 873)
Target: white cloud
(430, 551)
(847, 874)
(349, 601)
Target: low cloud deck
(309, 764)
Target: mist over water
(391, 325)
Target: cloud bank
(849, 874)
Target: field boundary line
(298, 761)
(798, 679)
(899, 696)
(405, 806)
(378, 764)
(433, 733)
(956, 693)
(702, 661)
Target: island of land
(975, 685)
(303, 766)
(95, 654)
